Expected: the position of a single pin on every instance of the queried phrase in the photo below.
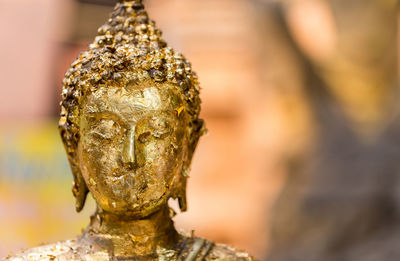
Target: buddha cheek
(114, 180)
(158, 170)
(99, 163)
(156, 155)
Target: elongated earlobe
(196, 132)
(79, 188)
(182, 199)
(179, 192)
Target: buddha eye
(153, 129)
(106, 129)
(101, 136)
(144, 137)
(159, 134)
(160, 128)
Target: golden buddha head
(130, 117)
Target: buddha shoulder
(64, 250)
(223, 252)
(198, 249)
(189, 249)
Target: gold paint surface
(130, 124)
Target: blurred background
(300, 98)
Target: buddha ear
(181, 195)
(198, 129)
(196, 132)
(79, 188)
(179, 192)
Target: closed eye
(160, 134)
(143, 137)
(101, 135)
(106, 129)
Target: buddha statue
(130, 124)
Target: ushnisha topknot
(128, 50)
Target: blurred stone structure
(340, 200)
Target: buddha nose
(128, 153)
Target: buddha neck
(131, 237)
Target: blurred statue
(130, 124)
(340, 200)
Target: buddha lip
(120, 172)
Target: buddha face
(133, 142)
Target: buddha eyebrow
(109, 114)
(100, 113)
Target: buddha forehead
(133, 100)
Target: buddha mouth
(120, 176)
(118, 173)
(125, 170)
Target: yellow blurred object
(34, 182)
